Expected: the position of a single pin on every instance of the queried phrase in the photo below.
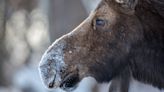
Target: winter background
(27, 28)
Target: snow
(136, 86)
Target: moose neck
(150, 14)
(147, 55)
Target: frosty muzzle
(53, 70)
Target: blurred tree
(90, 4)
(25, 40)
(64, 16)
(3, 54)
(24, 37)
(17, 21)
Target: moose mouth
(70, 82)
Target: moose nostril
(51, 85)
(62, 71)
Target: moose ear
(128, 5)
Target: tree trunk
(64, 16)
(3, 54)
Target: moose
(121, 40)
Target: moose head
(102, 46)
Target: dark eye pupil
(100, 22)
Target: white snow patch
(136, 86)
(88, 84)
(104, 87)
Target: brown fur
(132, 38)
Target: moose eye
(100, 22)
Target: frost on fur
(50, 66)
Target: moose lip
(70, 82)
